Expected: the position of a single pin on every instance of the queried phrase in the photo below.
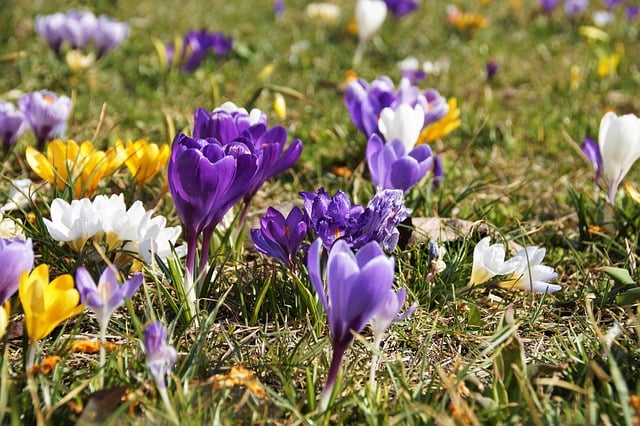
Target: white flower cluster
(107, 219)
(525, 269)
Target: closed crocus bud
(46, 113)
(12, 124)
(370, 15)
(16, 257)
(109, 34)
(619, 142)
(161, 356)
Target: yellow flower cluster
(143, 159)
(80, 167)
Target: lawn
(247, 338)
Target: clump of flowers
(189, 52)
(80, 167)
(79, 28)
(334, 218)
(106, 219)
(46, 113)
(523, 271)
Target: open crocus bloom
(529, 273)
(619, 142)
(488, 261)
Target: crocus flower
(548, 6)
(107, 295)
(46, 304)
(109, 34)
(492, 69)
(591, 150)
(575, 7)
(161, 356)
(356, 286)
(400, 8)
(369, 15)
(229, 124)
(280, 237)
(632, 11)
(278, 8)
(391, 166)
(488, 261)
(49, 27)
(196, 46)
(68, 164)
(333, 218)
(79, 27)
(619, 142)
(144, 159)
(46, 113)
(73, 223)
(602, 18)
(403, 123)
(365, 102)
(444, 125)
(529, 273)
(206, 179)
(16, 257)
(325, 12)
(12, 124)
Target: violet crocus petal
(377, 168)
(132, 285)
(315, 276)
(438, 171)
(85, 283)
(591, 150)
(79, 28)
(267, 246)
(387, 312)
(17, 257)
(49, 27)
(12, 124)
(404, 173)
(46, 113)
(109, 34)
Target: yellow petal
(280, 106)
(40, 165)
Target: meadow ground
(485, 355)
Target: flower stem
(101, 365)
(31, 382)
(375, 360)
(334, 369)
(167, 405)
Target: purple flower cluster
(79, 28)
(365, 101)
(196, 45)
(231, 154)
(334, 218)
(44, 112)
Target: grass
(483, 356)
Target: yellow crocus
(608, 65)
(143, 159)
(5, 311)
(280, 106)
(444, 126)
(46, 304)
(68, 164)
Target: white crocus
(323, 12)
(369, 15)
(488, 261)
(112, 210)
(619, 141)
(154, 238)
(21, 193)
(73, 223)
(405, 123)
(529, 273)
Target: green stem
(31, 383)
(167, 404)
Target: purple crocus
(12, 124)
(16, 258)
(334, 218)
(79, 28)
(591, 150)
(575, 7)
(400, 8)
(107, 295)
(206, 178)
(356, 286)
(391, 167)
(632, 11)
(329, 217)
(278, 8)
(196, 46)
(46, 113)
(492, 69)
(281, 237)
(365, 101)
(109, 34)
(161, 356)
(50, 28)
(438, 171)
(548, 6)
(230, 123)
